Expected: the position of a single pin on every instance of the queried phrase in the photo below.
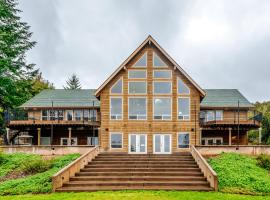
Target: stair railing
(207, 170)
(70, 170)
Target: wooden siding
(148, 126)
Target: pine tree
(73, 83)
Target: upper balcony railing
(252, 118)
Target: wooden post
(200, 136)
(39, 134)
(69, 136)
(8, 131)
(230, 136)
(260, 135)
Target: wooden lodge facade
(148, 105)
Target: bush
(2, 158)
(35, 166)
(263, 161)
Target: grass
(37, 183)
(137, 195)
(240, 174)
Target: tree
(39, 84)
(73, 83)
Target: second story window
(219, 115)
(142, 62)
(78, 115)
(117, 87)
(44, 114)
(183, 108)
(140, 74)
(162, 74)
(162, 87)
(210, 115)
(69, 115)
(116, 108)
(137, 108)
(162, 108)
(182, 87)
(60, 114)
(137, 87)
(157, 61)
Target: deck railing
(69, 171)
(207, 170)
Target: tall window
(116, 108)
(183, 108)
(137, 74)
(44, 114)
(138, 87)
(78, 115)
(142, 62)
(157, 61)
(210, 115)
(183, 140)
(162, 108)
(117, 88)
(162, 87)
(60, 114)
(69, 115)
(137, 108)
(162, 74)
(219, 115)
(182, 87)
(116, 140)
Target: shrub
(35, 166)
(263, 161)
(2, 158)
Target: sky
(219, 43)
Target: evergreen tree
(73, 83)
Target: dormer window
(117, 88)
(142, 62)
(157, 61)
(182, 87)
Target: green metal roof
(63, 98)
(224, 98)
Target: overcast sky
(221, 44)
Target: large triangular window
(158, 62)
(182, 87)
(142, 62)
(117, 87)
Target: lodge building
(148, 105)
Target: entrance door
(162, 143)
(137, 143)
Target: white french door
(137, 143)
(162, 143)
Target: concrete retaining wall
(46, 150)
(243, 149)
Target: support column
(260, 135)
(69, 136)
(200, 136)
(8, 132)
(230, 136)
(39, 134)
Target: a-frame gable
(149, 40)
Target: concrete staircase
(118, 171)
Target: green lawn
(137, 195)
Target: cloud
(221, 44)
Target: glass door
(137, 143)
(162, 143)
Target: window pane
(137, 87)
(44, 114)
(158, 62)
(69, 115)
(52, 114)
(117, 87)
(183, 108)
(116, 140)
(137, 74)
(219, 114)
(183, 140)
(162, 108)
(86, 115)
(116, 108)
(162, 87)
(141, 62)
(162, 74)
(182, 87)
(78, 115)
(210, 116)
(93, 114)
(137, 108)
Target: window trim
(156, 67)
(146, 107)
(145, 70)
(116, 97)
(66, 117)
(214, 141)
(179, 133)
(133, 66)
(221, 119)
(129, 142)
(180, 97)
(153, 88)
(121, 78)
(154, 97)
(138, 93)
(61, 141)
(122, 144)
(178, 78)
(162, 70)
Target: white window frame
(160, 70)
(179, 133)
(133, 66)
(45, 144)
(146, 106)
(214, 140)
(111, 133)
(137, 82)
(66, 138)
(221, 115)
(121, 78)
(189, 116)
(81, 114)
(154, 97)
(66, 115)
(208, 111)
(129, 142)
(47, 116)
(116, 97)
(157, 67)
(178, 78)
(131, 70)
(154, 144)
(162, 93)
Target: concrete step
(116, 188)
(148, 169)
